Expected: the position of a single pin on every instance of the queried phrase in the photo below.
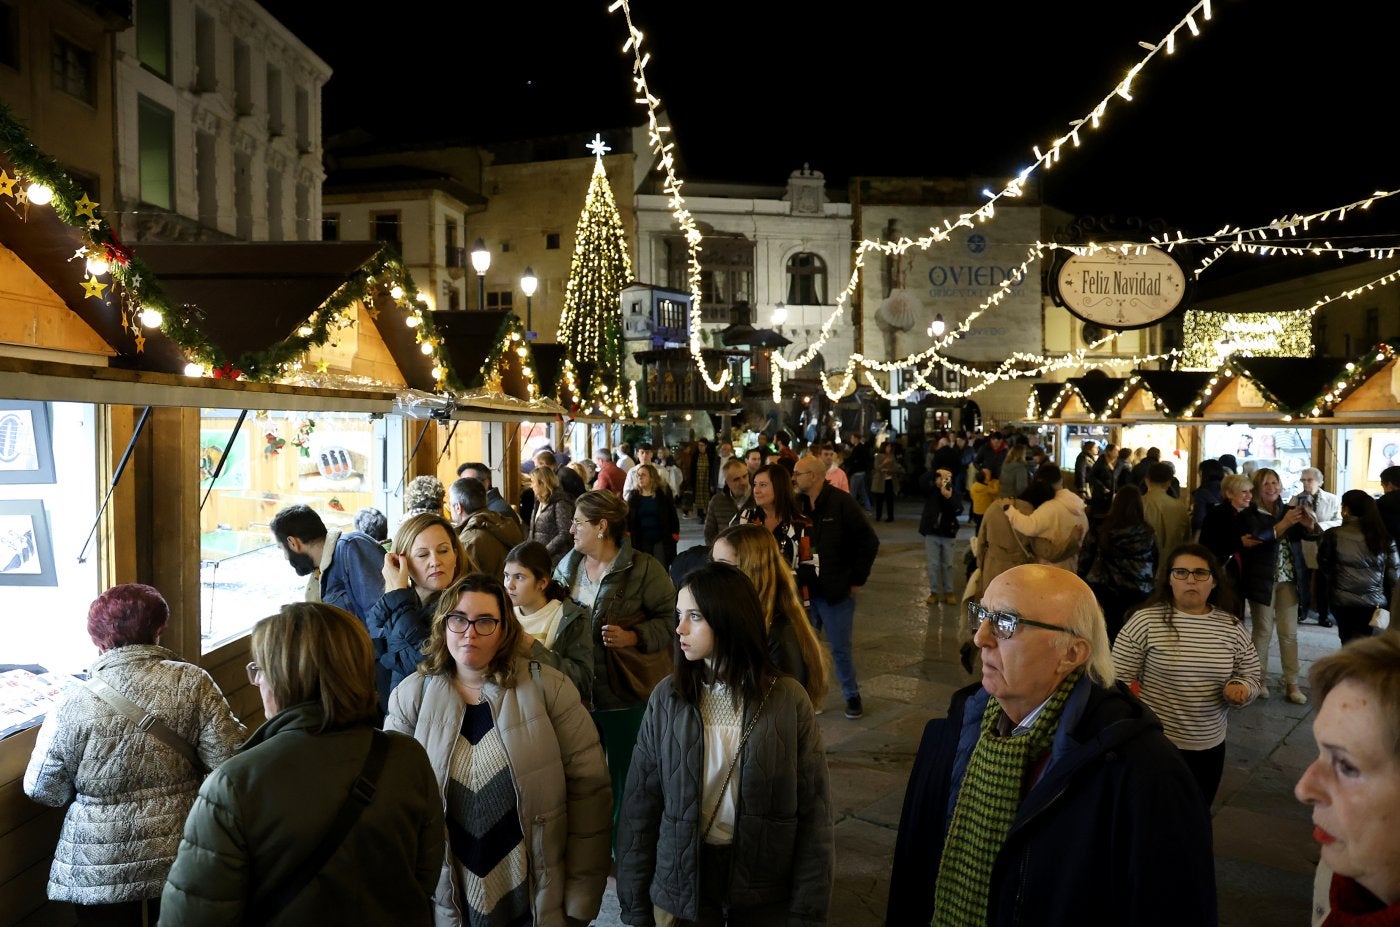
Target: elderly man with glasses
(1049, 794)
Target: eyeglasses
(1199, 575)
(582, 521)
(1005, 624)
(254, 672)
(458, 623)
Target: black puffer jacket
(1259, 564)
(1356, 576)
(783, 849)
(1128, 562)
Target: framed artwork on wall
(26, 442)
(26, 554)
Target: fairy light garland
(663, 149)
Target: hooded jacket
(1112, 831)
(1058, 521)
(488, 537)
(127, 793)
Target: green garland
(182, 324)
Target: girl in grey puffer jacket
(727, 807)
(132, 791)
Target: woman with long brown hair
(774, 506)
(518, 765)
(792, 643)
(1358, 557)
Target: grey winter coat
(1355, 576)
(129, 792)
(572, 653)
(263, 813)
(783, 838)
(636, 584)
(562, 790)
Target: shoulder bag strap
(361, 794)
(146, 722)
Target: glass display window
(50, 557)
(1362, 453)
(1287, 450)
(325, 460)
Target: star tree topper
(598, 146)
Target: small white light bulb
(193, 370)
(396, 292)
(97, 265)
(39, 194)
(151, 318)
(413, 321)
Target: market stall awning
(1372, 387)
(1293, 385)
(1044, 399)
(249, 296)
(1173, 391)
(472, 341)
(1097, 393)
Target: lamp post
(481, 262)
(528, 284)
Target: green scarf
(987, 804)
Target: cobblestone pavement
(907, 662)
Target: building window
(275, 126)
(274, 205)
(303, 120)
(73, 70)
(9, 36)
(454, 299)
(551, 241)
(500, 299)
(243, 194)
(156, 140)
(455, 251)
(330, 227)
(153, 36)
(386, 226)
(242, 78)
(806, 280)
(207, 178)
(206, 53)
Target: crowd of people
(480, 719)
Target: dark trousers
(1207, 766)
(1312, 593)
(1353, 621)
(884, 501)
(126, 914)
(715, 863)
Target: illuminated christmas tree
(591, 325)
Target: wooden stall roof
(1292, 385)
(1173, 390)
(1043, 398)
(250, 295)
(1097, 393)
(470, 339)
(26, 378)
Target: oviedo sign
(1128, 285)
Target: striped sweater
(1184, 668)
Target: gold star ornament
(84, 207)
(7, 183)
(93, 287)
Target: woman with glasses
(256, 848)
(1188, 657)
(518, 768)
(427, 556)
(631, 606)
(728, 806)
(126, 792)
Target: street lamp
(937, 328)
(528, 284)
(481, 262)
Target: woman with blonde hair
(518, 768)
(426, 557)
(792, 643)
(320, 818)
(554, 514)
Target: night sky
(1267, 113)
